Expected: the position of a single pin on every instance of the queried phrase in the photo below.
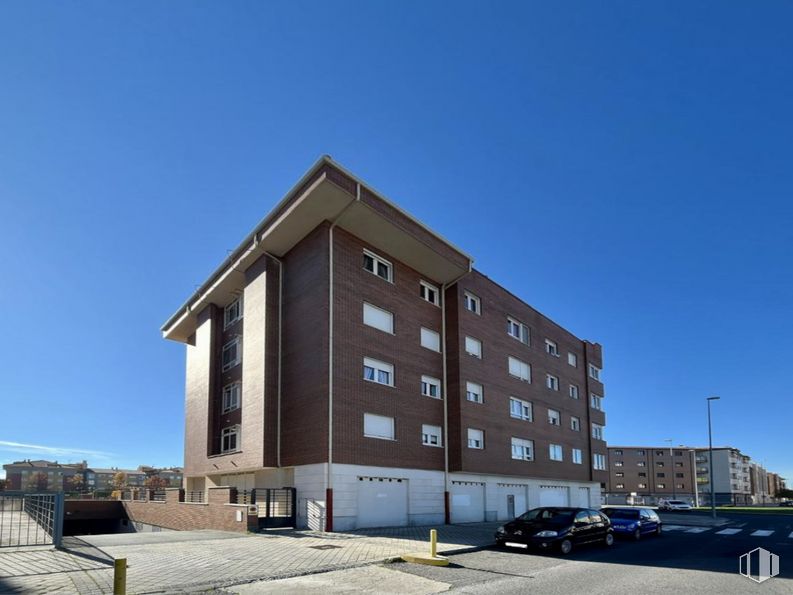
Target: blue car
(634, 522)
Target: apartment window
(577, 456)
(229, 439)
(473, 347)
(231, 397)
(520, 409)
(232, 354)
(660, 486)
(620, 474)
(431, 435)
(554, 417)
(678, 464)
(519, 369)
(618, 452)
(517, 330)
(472, 303)
(640, 453)
(555, 452)
(643, 485)
(594, 372)
(377, 371)
(476, 438)
(378, 266)
(572, 359)
(429, 293)
(378, 318)
(596, 402)
(678, 453)
(659, 464)
(522, 450)
(575, 424)
(658, 453)
(660, 474)
(620, 486)
(551, 347)
(599, 461)
(573, 392)
(679, 475)
(232, 313)
(641, 464)
(681, 486)
(551, 382)
(430, 339)
(474, 392)
(378, 426)
(430, 387)
(641, 474)
(618, 463)
(597, 432)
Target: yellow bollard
(433, 542)
(120, 576)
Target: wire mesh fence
(30, 519)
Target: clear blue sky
(624, 167)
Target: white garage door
(511, 500)
(554, 496)
(468, 502)
(382, 502)
(583, 497)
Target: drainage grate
(324, 547)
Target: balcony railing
(196, 497)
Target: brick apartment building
(645, 474)
(41, 475)
(348, 351)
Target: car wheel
(658, 530)
(637, 534)
(499, 543)
(566, 546)
(609, 540)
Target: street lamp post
(694, 476)
(710, 460)
(672, 459)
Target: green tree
(785, 494)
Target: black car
(556, 528)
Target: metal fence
(194, 497)
(275, 507)
(31, 519)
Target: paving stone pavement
(192, 561)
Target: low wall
(219, 512)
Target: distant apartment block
(348, 351)
(646, 474)
(41, 475)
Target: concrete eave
(322, 195)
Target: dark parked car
(556, 528)
(634, 521)
(786, 503)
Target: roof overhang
(326, 193)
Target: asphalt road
(682, 560)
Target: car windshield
(547, 514)
(622, 514)
(676, 502)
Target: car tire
(658, 530)
(609, 539)
(565, 546)
(637, 534)
(500, 543)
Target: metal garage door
(468, 502)
(583, 497)
(382, 502)
(554, 496)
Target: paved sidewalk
(189, 561)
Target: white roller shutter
(583, 497)
(382, 502)
(551, 495)
(468, 502)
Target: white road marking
(791, 535)
(674, 527)
(728, 531)
(697, 530)
(762, 533)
